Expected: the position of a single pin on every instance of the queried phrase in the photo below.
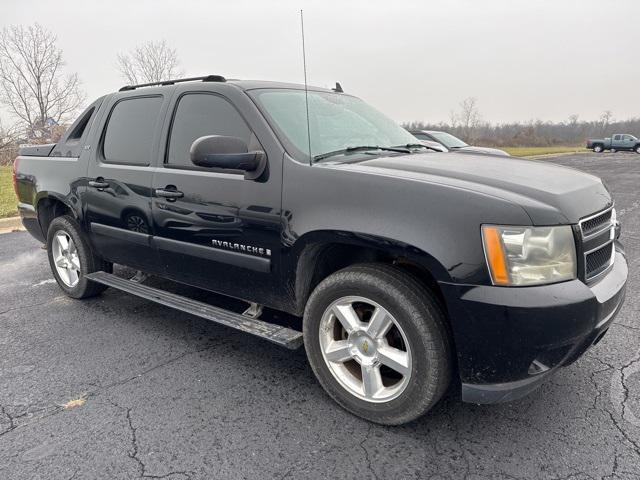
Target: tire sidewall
(71, 228)
(421, 392)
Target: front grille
(596, 224)
(597, 235)
(600, 259)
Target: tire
(598, 149)
(76, 256)
(417, 331)
(637, 149)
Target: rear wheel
(377, 342)
(598, 149)
(71, 258)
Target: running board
(277, 334)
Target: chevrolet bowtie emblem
(365, 346)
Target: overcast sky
(414, 60)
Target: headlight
(529, 255)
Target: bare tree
(8, 144)
(149, 62)
(469, 117)
(605, 120)
(32, 84)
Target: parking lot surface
(116, 387)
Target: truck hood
(550, 194)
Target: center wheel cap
(363, 347)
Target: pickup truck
(619, 141)
(405, 270)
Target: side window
(198, 115)
(421, 136)
(627, 138)
(78, 130)
(617, 137)
(70, 145)
(128, 138)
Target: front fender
(437, 223)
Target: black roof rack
(207, 78)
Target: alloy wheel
(365, 349)
(65, 257)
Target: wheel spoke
(394, 358)
(379, 324)
(75, 262)
(347, 317)
(73, 277)
(63, 241)
(64, 275)
(61, 262)
(371, 380)
(338, 351)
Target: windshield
(336, 122)
(448, 140)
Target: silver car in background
(452, 143)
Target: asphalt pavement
(116, 387)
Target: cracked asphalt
(167, 395)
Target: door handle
(98, 183)
(169, 193)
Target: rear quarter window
(130, 130)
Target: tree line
(467, 124)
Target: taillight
(15, 176)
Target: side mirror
(227, 154)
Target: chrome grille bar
(598, 259)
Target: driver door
(217, 231)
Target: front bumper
(509, 339)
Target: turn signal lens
(495, 255)
(529, 255)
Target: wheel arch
(50, 206)
(321, 253)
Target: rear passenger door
(616, 142)
(223, 233)
(118, 191)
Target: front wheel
(598, 149)
(71, 258)
(637, 149)
(377, 342)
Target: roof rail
(207, 78)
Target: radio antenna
(306, 89)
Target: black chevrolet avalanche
(408, 270)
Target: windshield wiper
(419, 145)
(362, 148)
